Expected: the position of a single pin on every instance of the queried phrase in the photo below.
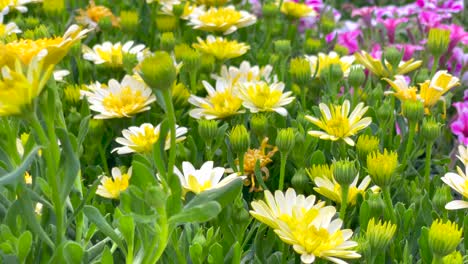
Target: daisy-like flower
(336, 124)
(332, 190)
(401, 89)
(263, 97)
(20, 5)
(112, 187)
(377, 68)
(141, 139)
(246, 73)
(27, 49)
(93, 14)
(203, 179)
(433, 90)
(458, 182)
(119, 100)
(221, 48)
(7, 29)
(167, 7)
(112, 55)
(323, 61)
(307, 226)
(222, 19)
(297, 10)
(220, 102)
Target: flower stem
(344, 201)
(240, 156)
(434, 65)
(427, 166)
(388, 203)
(409, 143)
(436, 259)
(284, 157)
(172, 126)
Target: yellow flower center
(124, 103)
(317, 240)
(221, 19)
(296, 10)
(26, 49)
(145, 140)
(196, 186)
(114, 57)
(338, 125)
(352, 193)
(223, 104)
(263, 97)
(117, 185)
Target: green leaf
(107, 256)
(142, 175)
(70, 164)
(73, 252)
(465, 230)
(317, 158)
(236, 253)
(127, 227)
(364, 216)
(16, 175)
(95, 217)
(197, 214)
(258, 175)
(196, 251)
(425, 251)
(158, 149)
(83, 130)
(216, 254)
(224, 195)
(24, 246)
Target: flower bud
(453, 258)
(105, 23)
(365, 145)
(438, 41)
(178, 9)
(313, 46)
(259, 125)
(344, 172)
(356, 77)
(129, 21)
(441, 197)
(274, 58)
(320, 170)
(71, 93)
(166, 23)
(283, 47)
(240, 140)
(300, 71)
(332, 74)
(270, 11)
(327, 24)
(285, 140)
(413, 110)
(300, 181)
(180, 50)
(376, 204)
(29, 22)
(382, 166)
(393, 56)
(379, 235)
(208, 129)
(180, 95)
(158, 71)
(430, 129)
(129, 61)
(341, 50)
(384, 112)
(192, 60)
(53, 8)
(41, 32)
(167, 41)
(444, 237)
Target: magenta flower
(409, 50)
(350, 40)
(452, 6)
(365, 13)
(457, 35)
(460, 125)
(430, 19)
(391, 24)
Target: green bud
(413, 110)
(382, 167)
(376, 204)
(129, 21)
(180, 95)
(129, 62)
(178, 9)
(166, 23)
(283, 47)
(180, 50)
(430, 129)
(29, 22)
(192, 60)
(441, 197)
(393, 56)
(341, 50)
(41, 32)
(207, 63)
(105, 23)
(71, 94)
(285, 140)
(259, 125)
(240, 139)
(300, 71)
(438, 41)
(327, 24)
(379, 235)
(444, 237)
(300, 180)
(453, 258)
(274, 58)
(167, 41)
(422, 76)
(28, 34)
(384, 112)
(208, 129)
(356, 77)
(158, 71)
(332, 74)
(199, 238)
(313, 46)
(344, 172)
(270, 11)
(365, 145)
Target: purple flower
(409, 50)
(391, 24)
(452, 6)
(349, 40)
(431, 19)
(460, 125)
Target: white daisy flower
(113, 54)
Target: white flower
(203, 179)
(113, 54)
(246, 73)
(8, 29)
(458, 182)
(322, 61)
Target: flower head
(246, 73)
(118, 100)
(444, 237)
(222, 19)
(94, 13)
(331, 189)
(433, 90)
(141, 139)
(221, 48)
(382, 167)
(458, 182)
(112, 55)
(112, 187)
(460, 125)
(220, 102)
(297, 10)
(337, 123)
(263, 157)
(203, 179)
(323, 61)
(377, 68)
(263, 97)
(401, 89)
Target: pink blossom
(409, 50)
(460, 125)
(391, 24)
(431, 19)
(452, 6)
(349, 40)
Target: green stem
(241, 163)
(284, 157)
(103, 157)
(172, 125)
(344, 201)
(388, 203)
(304, 91)
(162, 237)
(436, 259)
(409, 143)
(193, 81)
(285, 252)
(427, 166)
(435, 65)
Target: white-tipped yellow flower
(112, 187)
(263, 97)
(112, 55)
(297, 10)
(222, 19)
(458, 182)
(167, 7)
(433, 90)
(221, 48)
(118, 100)
(337, 123)
(331, 189)
(377, 68)
(141, 139)
(7, 29)
(246, 73)
(20, 5)
(401, 89)
(323, 61)
(203, 179)
(220, 102)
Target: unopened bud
(344, 172)
(285, 140)
(158, 71)
(240, 140)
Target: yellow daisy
(401, 89)
(377, 68)
(112, 187)
(323, 61)
(332, 190)
(221, 48)
(433, 90)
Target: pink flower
(431, 19)
(409, 50)
(452, 6)
(391, 24)
(460, 125)
(350, 40)
(457, 35)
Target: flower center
(221, 18)
(125, 102)
(263, 97)
(117, 185)
(223, 104)
(114, 57)
(144, 141)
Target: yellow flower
(297, 10)
(112, 55)
(27, 49)
(93, 14)
(320, 170)
(112, 187)
(141, 139)
(118, 100)
(377, 68)
(401, 89)
(27, 178)
(219, 103)
(458, 182)
(7, 29)
(168, 8)
(223, 19)
(203, 179)
(308, 226)
(221, 48)
(379, 235)
(330, 189)
(336, 124)
(433, 90)
(263, 97)
(323, 61)
(444, 237)
(7, 5)
(20, 85)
